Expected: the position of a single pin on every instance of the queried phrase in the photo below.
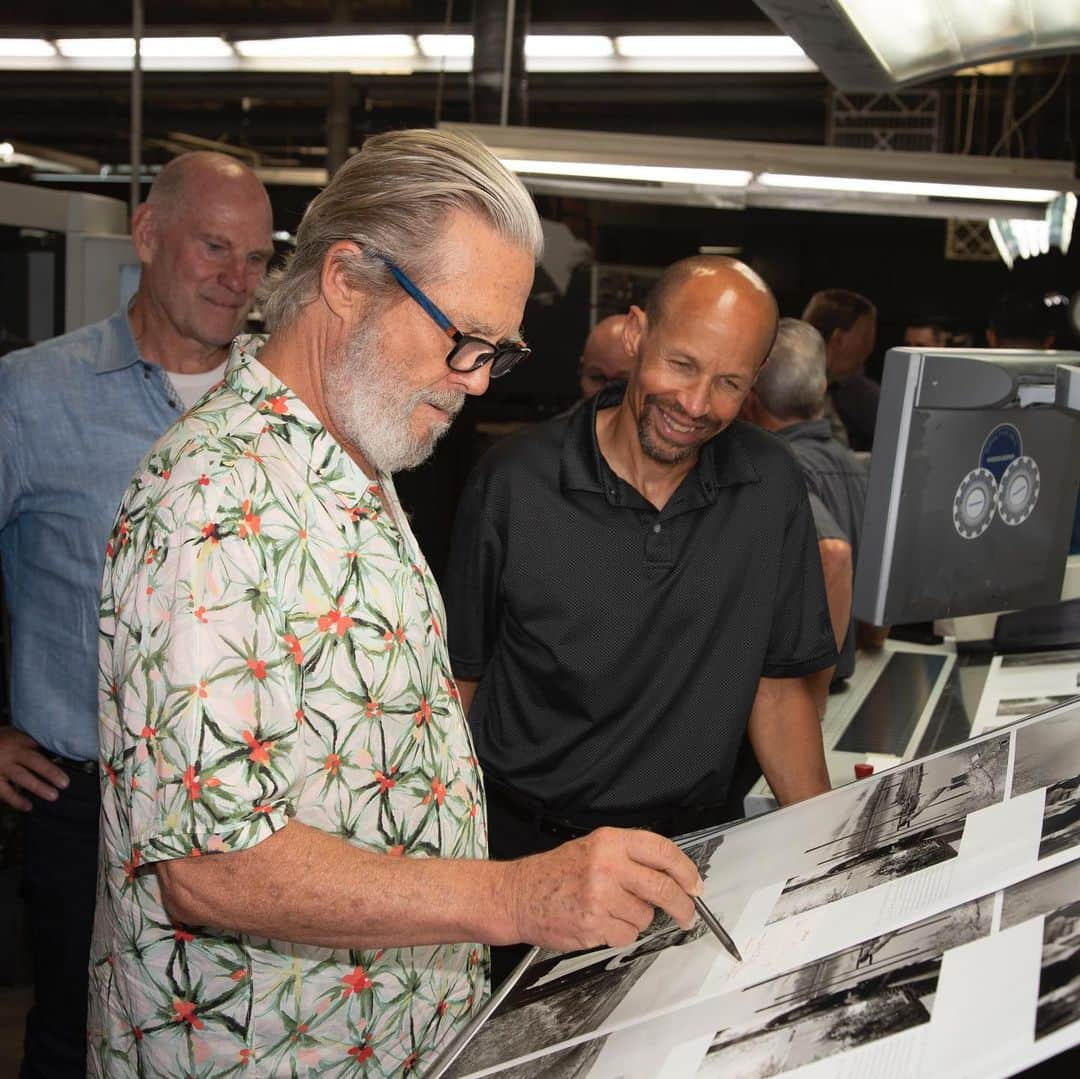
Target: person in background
(848, 323)
(604, 358)
(789, 400)
(925, 333)
(76, 414)
(293, 855)
(635, 585)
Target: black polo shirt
(619, 648)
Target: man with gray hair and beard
(293, 872)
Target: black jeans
(59, 878)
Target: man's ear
(343, 299)
(635, 327)
(144, 232)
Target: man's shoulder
(68, 355)
(769, 453)
(530, 446)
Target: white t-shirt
(192, 387)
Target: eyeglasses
(468, 353)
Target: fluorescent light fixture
(360, 46)
(758, 46)
(123, 48)
(452, 46)
(26, 46)
(564, 46)
(926, 189)
(657, 174)
(918, 37)
(1020, 238)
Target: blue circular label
(1002, 446)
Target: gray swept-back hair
(792, 383)
(393, 198)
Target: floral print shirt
(271, 648)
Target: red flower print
(132, 863)
(246, 1055)
(299, 715)
(200, 614)
(184, 1011)
(147, 732)
(333, 762)
(238, 975)
(356, 982)
(441, 1007)
(409, 1063)
(252, 521)
(260, 751)
(334, 619)
(361, 1052)
(263, 809)
(204, 480)
(372, 709)
(200, 688)
(397, 850)
(424, 714)
(191, 783)
(258, 668)
(293, 646)
(376, 490)
(451, 688)
(137, 1034)
(211, 533)
(180, 933)
(166, 473)
(302, 534)
(385, 782)
(438, 788)
(435, 626)
(110, 772)
(280, 404)
(397, 637)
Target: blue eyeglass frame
(503, 356)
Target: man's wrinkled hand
(600, 890)
(23, 767)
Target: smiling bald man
(635, 586)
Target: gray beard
(364, 399)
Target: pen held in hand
(716, 928)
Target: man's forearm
(785, 733)
(304, 885)
(466, 690)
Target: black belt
(88, 767)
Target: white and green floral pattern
(271, 648)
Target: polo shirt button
(656, 527)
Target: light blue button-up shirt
(77, 414)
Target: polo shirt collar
(126, 352)
(723, 461)
(810, 430)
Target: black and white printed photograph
(902, 823)
(881, 987)
(564, 995)
(1048, 755)
(1059, 976)
(1011, 708)
(1039, 895)
(1067, 657)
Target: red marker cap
(863, 769)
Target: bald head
(201, 174)
(604, 357)
(203, 237)
(720, 285)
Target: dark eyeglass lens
(506, 359)
(470, 355)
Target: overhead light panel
(26, 47)
(656, 174)
(921, 188)
(770, 46)
(565, 46)
(1026, 238)
(123, 48)
(360, 46)
(437, 46)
